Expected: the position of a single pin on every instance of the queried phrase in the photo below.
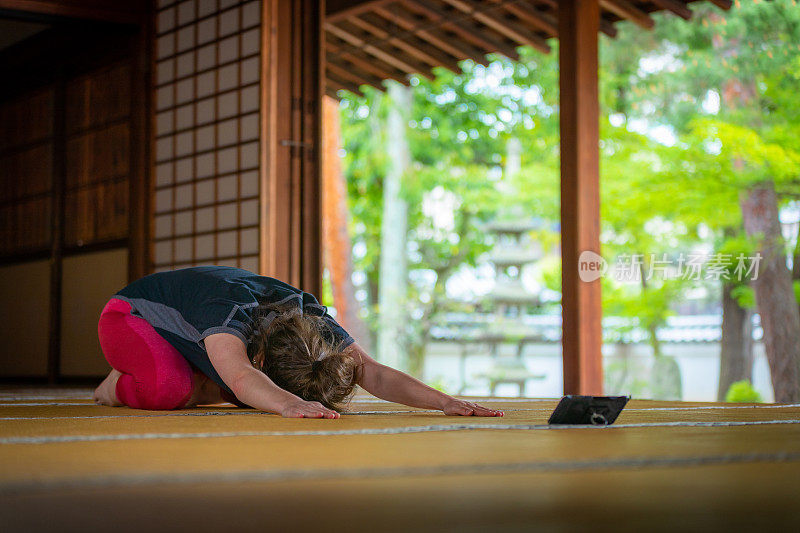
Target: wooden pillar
(578, 25)
(57, 207)
(291, 200)
(140, 186)
(312, 92)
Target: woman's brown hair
(299, 353)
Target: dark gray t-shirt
(187, 305)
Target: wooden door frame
(290, 174)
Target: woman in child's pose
(207, 334)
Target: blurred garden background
(442, 210)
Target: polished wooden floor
(68, 465)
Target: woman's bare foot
(106, 392)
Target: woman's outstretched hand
(463, 408)
(302, 409)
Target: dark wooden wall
(26, 163)
(98, 155)
(72, 149)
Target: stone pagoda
(510, 300)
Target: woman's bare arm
(395, 386)
(228, 355)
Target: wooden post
(311, 108)
(140, 189)
(291, 235)
(275, 177)
(57, 227)
(581, 343)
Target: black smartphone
(588, 410)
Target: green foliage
(742, 392)
(662, 198)
(619, 378)
(440, 384)
(743, 55)
(326, 298)
(364, 163)
(745, 296)
(458, 131)
(739, 250)
(550, 272)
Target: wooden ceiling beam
(676, 6)
(502, 25)
(415, 46)
(626, 10)
(379, 50)
(351, 85)
(336, 10)
(367, 63)
(376, 68)
(545, 21)
(354, 74)
(338, 84)
(381, 42)
(468, 31)
(534, 17)
(607, 27)
(457, 48)
(130, 12)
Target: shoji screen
(207, 60)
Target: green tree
(659, 198)
(746, 61)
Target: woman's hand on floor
(302, 409)
(463, 408)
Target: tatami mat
(385, 466)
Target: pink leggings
(154, 374)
